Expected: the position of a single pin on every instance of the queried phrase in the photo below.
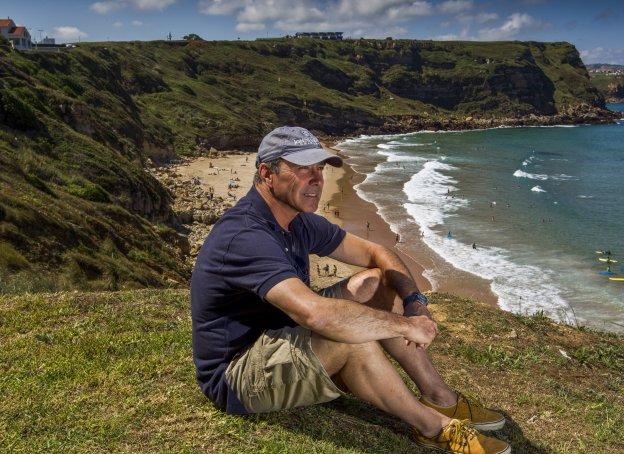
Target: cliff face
(610, 85)
(77, 128)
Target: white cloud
(455, 6)
(482, 18)
(105, 7)
(146, 5)
(137, 23)
(602, 55)
(515, 24)
(246, 27)
(354, 17)
(464, 35)
(219, 7)
(68, 32)
(479, 18)
(108, 6)
(118, 24)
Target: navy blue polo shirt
(243, 257)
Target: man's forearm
(350, 322)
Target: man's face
(298, 186)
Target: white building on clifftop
(18, 36)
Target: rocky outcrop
(196, 209)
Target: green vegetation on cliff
(611, 86)
(111, 372)
(78, 209)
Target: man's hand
(421, 331)
(416, 308)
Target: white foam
(563, 177)
(397, 157)
(581, 196)
(538, 176)
(537, 189)
(532, 176)
(386, 146)
(520, 288)
(408, 144)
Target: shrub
(10, 259)
(88, 191)
(36, 182)
(15, 113)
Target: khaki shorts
(281, 371)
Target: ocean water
(524, 208)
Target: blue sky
(596, 27)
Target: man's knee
(368, 287)
(334, 355)
(364, 285)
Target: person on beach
(264, 341)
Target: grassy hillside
(77, 128)
(102, 372)
(610, 85)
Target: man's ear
(265, 174)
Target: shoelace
(460, 433)
(468, 402)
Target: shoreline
(355, 212)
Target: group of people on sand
(325, 270)
(263, 341)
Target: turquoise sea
(536, 202)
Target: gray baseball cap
(296, 145)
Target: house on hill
(18, 36)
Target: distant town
(606, 69)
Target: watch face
(422, 299)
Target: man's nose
(317, 174)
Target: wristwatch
(415, 296)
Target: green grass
(112, 371)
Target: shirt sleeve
(323, 236)
(256, 261)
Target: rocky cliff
(78, 128)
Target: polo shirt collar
(263, 209)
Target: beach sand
(345, 209)
(225, 168)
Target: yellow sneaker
(480, 417)
(459, 437)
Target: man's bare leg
(366, 287)
(370, 376)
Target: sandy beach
(340, 204)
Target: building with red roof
(18, 36)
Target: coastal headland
(81, 127)
(117, 158)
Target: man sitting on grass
(264, 341)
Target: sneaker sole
(489, 426)
(507, 450)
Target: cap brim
(313, 156)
